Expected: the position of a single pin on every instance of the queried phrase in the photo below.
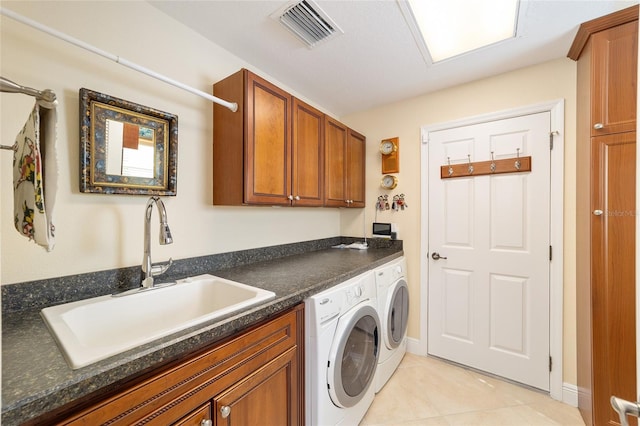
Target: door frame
(556, 280)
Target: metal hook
(493, 163)
(517, 163)
(470, 165)
(450, 168)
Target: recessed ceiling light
(452, 27)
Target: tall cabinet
(606, 51)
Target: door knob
(624, 408)
(436, 256)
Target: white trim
(570, 394)
(556, 279)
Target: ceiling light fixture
(448, 28)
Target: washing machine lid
(397, 314)
(354, 356)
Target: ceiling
(377, 60)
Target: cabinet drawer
(197, 418)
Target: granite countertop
(36, 378)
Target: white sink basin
(93, 329)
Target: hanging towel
(34, 165)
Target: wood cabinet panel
(266, 397)
(614, 79)
(336, 163)
(308, 155)
(356, 145)
(267, 159)
(613, 272)
(345, 165)
(181, 391)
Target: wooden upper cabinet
(336, 163)
(251, 147)
(608, 47)
(268, 143)
(278, 150)
(356, 144)
(615, 61)
(307, 155)
(345, 165)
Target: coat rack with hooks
(492, 167)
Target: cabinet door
(308, 155)
(335, 159)
(614, 83)
(268, 143)
(267, 397)
(613, 272)
(356, 144)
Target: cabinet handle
(290, 198)
(297, 198)
(598, 126)
(598, 212)
(225, 411)
(206, 422)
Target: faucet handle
(160, 268)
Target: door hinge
(550, 363)
(550, 253)
(551, 135)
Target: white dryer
(342, 349)
(393, 308)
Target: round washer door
(397, 314)
(354, 355)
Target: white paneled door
(489, 253)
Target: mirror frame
(95, 109)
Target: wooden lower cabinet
(255, 378)
(264, 398)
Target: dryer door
(354, 355)
(397, 314)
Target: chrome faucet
(150, 270)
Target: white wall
(97, 232)
(545, 82)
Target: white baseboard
(570, 394)
(414, 346)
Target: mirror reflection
(130, 149)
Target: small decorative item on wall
(126, 148)
(389, 182)
(390, 152)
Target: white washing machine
(342, 349)
(393, 308)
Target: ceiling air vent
(308, 22)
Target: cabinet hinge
(551, 135)
(550, 363)
(550, 253)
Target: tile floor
(430, 392)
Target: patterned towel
(32, 214)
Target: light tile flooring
(428, 391)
